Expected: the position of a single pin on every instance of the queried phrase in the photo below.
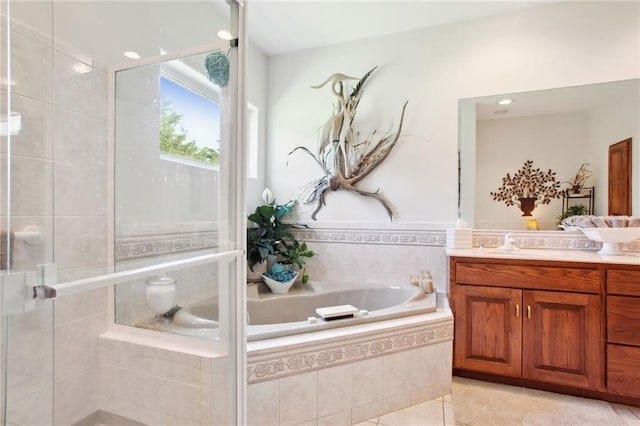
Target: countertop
(587, 256)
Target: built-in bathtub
(395, 352)
(272, 315)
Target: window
(252, 141)
(189, 118)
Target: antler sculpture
(344, 159)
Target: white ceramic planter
(277, 286)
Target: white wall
(557, 45)
(552, 141)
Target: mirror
(557, 129)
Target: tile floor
(477, 403)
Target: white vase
(277, 286)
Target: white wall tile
(108, 386)
(219, 408)
(366, 411)
(264, 406)
(334, 390)
(34, 139)
(76, 396)
(312, 422)
(342, 418)
(72, 89)
(31, 180)
(80, 241)
(397, 373)
(179, 399)
(298, 398)
(79, 190)
(29, 66)
(29, 362)
(34, 409)
(424, 361)
(423, 394)
(444, 357)
(414, 259)
(396, 402)
(76, 344)
(79, 138)
(391, 259)
(80, 305)
(173, 365)
(367, 382)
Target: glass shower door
(26, 210)
(56, 194)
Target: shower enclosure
(107, 181)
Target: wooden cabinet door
(488, 330)
(563, 339)
(623, 370)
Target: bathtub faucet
(425, 282)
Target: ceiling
(277, 27)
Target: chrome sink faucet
(509, 242)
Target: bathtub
(397, 351)
(272, 315)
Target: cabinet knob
(517, 310)
(529, 311)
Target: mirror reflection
(559, 130)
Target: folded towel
(6, 261)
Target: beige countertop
(587, 256)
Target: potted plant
(527, 188)
(272, 240)
(577, 182)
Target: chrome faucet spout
(509, 242)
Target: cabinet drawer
(623, 282)
(623, 370)
(623, 320)
(529, 277)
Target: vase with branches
(580, 179)
(528, 187)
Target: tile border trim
(289, 360)
(567, 240)
(143, 246)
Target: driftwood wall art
(343, 158)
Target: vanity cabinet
(534, 321)
(623, 332)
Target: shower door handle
(47, 276)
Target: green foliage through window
(173, 138)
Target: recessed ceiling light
(225, 35)
(505, 101)
(132, 55)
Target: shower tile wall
(59, 182)
(159, 386)
(59, 175)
